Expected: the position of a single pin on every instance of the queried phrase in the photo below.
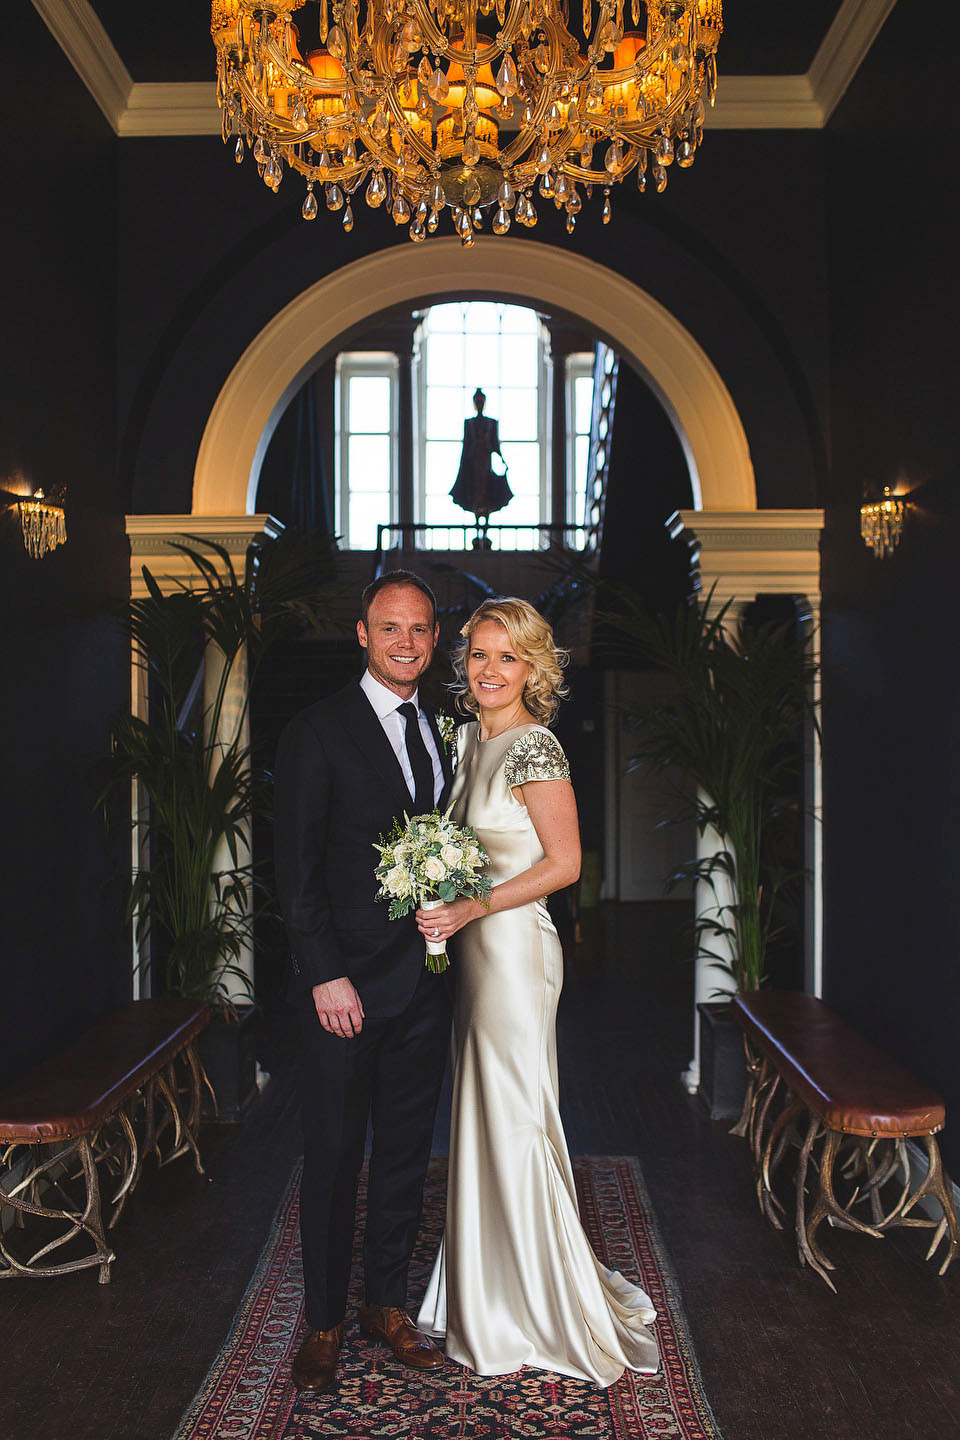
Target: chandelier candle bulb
(415, 92)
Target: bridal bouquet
(429, 861)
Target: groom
(375, 1022)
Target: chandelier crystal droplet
(465, 104)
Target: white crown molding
(765, 102)
(744, 102)
(80, 35)
(158, 110)
(844, 48)
(803, 102)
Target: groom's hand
(338, 1007)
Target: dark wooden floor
(781, 1357)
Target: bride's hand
(446, 920)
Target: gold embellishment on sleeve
(538, 755)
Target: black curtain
(296, 478)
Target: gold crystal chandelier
(475, 106)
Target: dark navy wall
(62, 666)
(892, 681)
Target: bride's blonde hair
(531, 639)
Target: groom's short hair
(395, 577)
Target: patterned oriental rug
(248, 1394)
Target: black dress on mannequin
(478, 488)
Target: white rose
(396, 880)
(435, 868)
(451, 856)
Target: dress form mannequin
(478, 488)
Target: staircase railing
(606, 368)
(468, 538)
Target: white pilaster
(743, 554)
(151, 544)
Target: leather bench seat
(89, 1080)
(814, 1083)
(841, 1077)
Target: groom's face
(399, 637)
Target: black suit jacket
(338, 787)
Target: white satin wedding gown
(515, 1282)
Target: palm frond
(731, 725)
(204, 791)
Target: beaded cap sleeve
(538, 755)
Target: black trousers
(391, 1074)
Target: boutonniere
(447, 727)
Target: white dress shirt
(386, 705)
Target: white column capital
(744, 553)
(152, 539)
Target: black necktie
(420, 762)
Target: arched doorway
(275, 364)
(691, 390)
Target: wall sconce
(43, 524)
(881, 522)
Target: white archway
(254, 395)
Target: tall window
(459, 348)
(366, 480)
(501, 350)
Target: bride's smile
(497, 678)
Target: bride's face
(495, 673)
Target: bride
(516, 1282)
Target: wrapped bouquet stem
(436, 949)
(428, 861)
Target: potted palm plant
(731, 725)
(192, 897)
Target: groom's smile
(399, 637)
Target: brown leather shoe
(395, 1328)
(316, 1361)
